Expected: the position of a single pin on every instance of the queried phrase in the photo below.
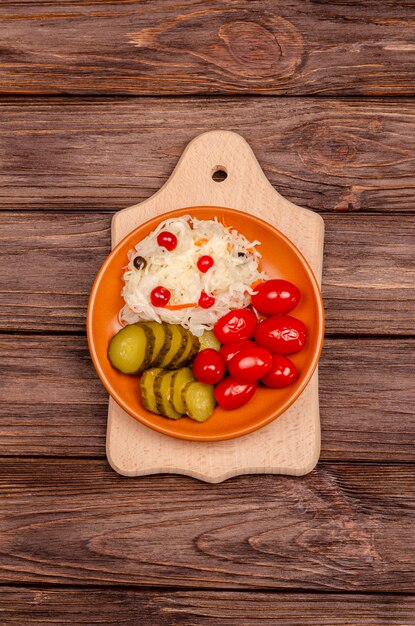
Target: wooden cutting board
(290, 444)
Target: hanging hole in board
(219, 174)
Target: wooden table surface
(98, 100)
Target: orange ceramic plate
(280, 259)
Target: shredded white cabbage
(229, 280)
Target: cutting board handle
(219, 150)
(191, 184)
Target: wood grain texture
(52, 402)
(158, 47)
(368, 280)
(289, 445)
(324, 154)
(342, 527)
(346, 526)
(222, 608)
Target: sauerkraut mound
(229, 280)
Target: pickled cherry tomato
(231, 394)
(250, 364)
(282, 373)
(205, 263)
(282, 334)
(206, 301)
(160, 296)
(229, 350)
(275, 297)
(167, 240)
(208, 366)
(235, 325)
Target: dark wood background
(98, 100)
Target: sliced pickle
(167, 342)
(177, 346)
(199, 400)
(195, 348)
(160, 340)
(192, 348)
(178, 359)
(178, 382)
(162, 392)
(208, 340)
(128, 350)
(148, 396)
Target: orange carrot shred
(177, 307)
(256, 284)
(201, 242)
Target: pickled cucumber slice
(192, 348)
(178, 360)
(183, 360)
(148, 396)
(178, 382)
(199, 400)
(208, 340)
(167, 343)
(162, 392)
(195, 348)
(128, 350)
(161, 336)
(177, 346)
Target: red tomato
(250, 364)
(230, 349)
(276, 296)
(160, 296)
(204, 263)
(235, 325)
(231, 394)
(206, 301)
(282, 334)
(209, 367)
(167, 240)
(282, 373)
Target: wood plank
(226, 46)
(224, 608)
(325, 154)
(48, 264)
(52, 402)
(342, 527)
